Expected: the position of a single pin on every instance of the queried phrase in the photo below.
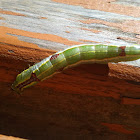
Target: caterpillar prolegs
(71, 56)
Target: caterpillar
(72, 56)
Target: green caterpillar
(73, 56)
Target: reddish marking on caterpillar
(54, 56)
(123, 51)
(32, 79)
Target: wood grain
(79, 101)
(91, 101)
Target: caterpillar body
(88, 53)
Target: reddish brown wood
(80, 101)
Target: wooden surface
(95, 101)
(3, 137)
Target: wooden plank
(59, 25)
(3, 137)
(81, 101)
